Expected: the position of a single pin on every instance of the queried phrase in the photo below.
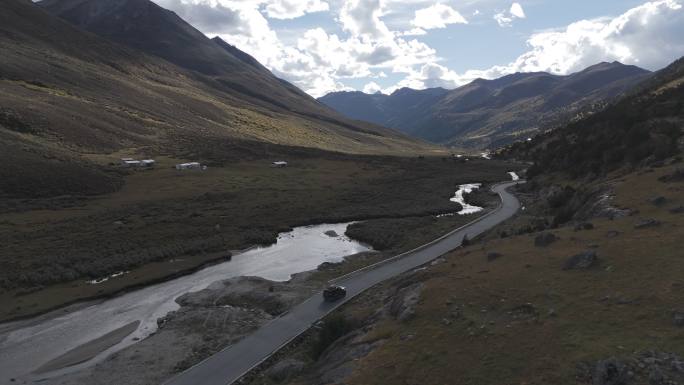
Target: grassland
(521, 318)
(163, 222)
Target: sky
(324, 46)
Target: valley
(164, 222)
(197, 192)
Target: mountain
(643, 128)
(68, 96)
(400, 110)
(488, 113)
(147, 27)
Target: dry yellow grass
(622, 306)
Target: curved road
(233, 362)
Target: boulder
(646, 223)
(581, 261)
(677, 210)
(331, 234)
(285, 369)
(327, 266)
(676, 176)
(658, 201)
(493, 255)
(612, 234)
(584, 226)
(404, 302)
(525, 310)
(610, 372)
(655, 376)
(338, 374)
(544, 239)
(678, 318)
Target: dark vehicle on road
(334, 293)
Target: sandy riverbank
(90, 349)
(207, 321)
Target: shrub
(334, 327)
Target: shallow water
(459, 197)
(27, 348)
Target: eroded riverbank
(30, 345)
(66, 337)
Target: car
(334, 293)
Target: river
(26, 345)
(459, 197)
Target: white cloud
(413, 32)
(517, 11)
(437, 16)
(505, 19)
(369, 46)
(319, 61)
(372, 88)
(362, 18)
(649, 35)
(290, 9)
(431, 75)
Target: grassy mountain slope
(642, 128)
(488, 113)
(65, 92)
(145, 26)
(520, 318)
(515, 306)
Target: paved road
(230, 364)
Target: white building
(130, 163)
(280, 163)
(189, 166)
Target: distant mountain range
(489, 113)
(643, 128)
(127, 76)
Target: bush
(334, 327)
(630, 132)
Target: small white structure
(280, 163)
(130, 163)
(189, 166)
(147, 163)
